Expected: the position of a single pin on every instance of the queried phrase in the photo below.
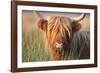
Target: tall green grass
(33, 47)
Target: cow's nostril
(59, 45)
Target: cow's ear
(42, 24)
(76, 26)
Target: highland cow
(64, 38)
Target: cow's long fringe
(58, 24)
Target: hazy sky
(29, 18)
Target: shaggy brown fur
(64, 38)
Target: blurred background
(33, 42)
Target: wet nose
(59, 45)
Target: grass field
(33, 47)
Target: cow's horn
(37, 14)
(79, 18)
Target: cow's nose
(59, 45)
